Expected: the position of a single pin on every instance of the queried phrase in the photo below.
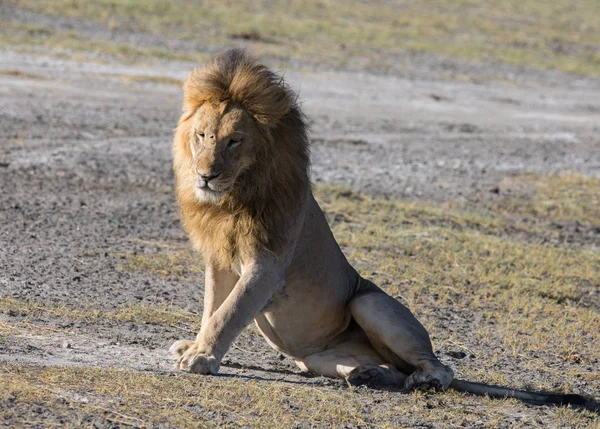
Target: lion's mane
(252, 216)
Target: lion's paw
(370, 375)
(437, 380)
(422, 381)
(199, 364)
(192, 358)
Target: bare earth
(85, 173)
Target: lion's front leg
(218, 284)
(250, 295)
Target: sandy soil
(85, 173)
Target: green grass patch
(356, 34)
(562, 198)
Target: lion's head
(240, 154)
(222, 141)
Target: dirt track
(85, 173)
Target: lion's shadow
(318, 380)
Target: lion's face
(222, 144)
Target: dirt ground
(85, 173)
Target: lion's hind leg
(355, 361)
(399, 338)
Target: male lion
(241, 163)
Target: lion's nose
(208, 177)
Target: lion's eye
(233, 143)
(200, 135)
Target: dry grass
(143, 400)
(165, 80)
(181, 264)
(357, 34)
(72, 45)
(21, 74)
(141, 313)
(184, 401)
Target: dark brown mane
(254, 215)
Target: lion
(241, 162)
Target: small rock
(66, 345)
(457, 355)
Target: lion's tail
(539, 398)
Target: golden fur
(251, 217)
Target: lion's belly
(305, 319)
(304, 337)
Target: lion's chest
(222, 236)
